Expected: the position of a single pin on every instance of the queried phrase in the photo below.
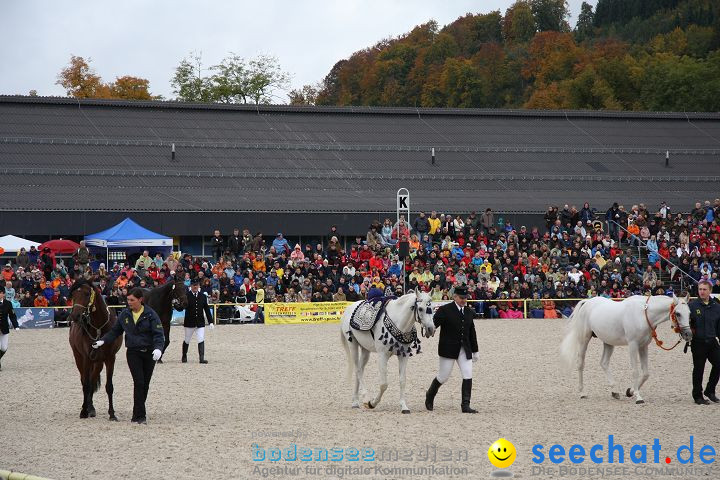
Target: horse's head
(680, 317)
(179, 293)
(424, 312)
(83, 296)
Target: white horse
(390, 335)
(630, 322)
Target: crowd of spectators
(578, 254)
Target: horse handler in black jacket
(458, 343)
(143, 332)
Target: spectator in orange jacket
(40, 300)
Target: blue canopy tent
(126, 239)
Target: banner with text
(35, 317)
(320, 312)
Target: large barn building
(71, 167)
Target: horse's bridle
(176, 288)
(416, 309)
(90, 306)
(673, 321)
(85, 316)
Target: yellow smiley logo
(502, 453)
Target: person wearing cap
(195, 313)
(281, 244)
(458, 343)
(22, 259)
(83, 256)
(7, 312)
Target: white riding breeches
(446, 366)
(199, 334)
(4, 342)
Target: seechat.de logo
(612, 452)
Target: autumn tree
(130, 88)
(625, 55)
(550, 15)
(81, 81)
(518, 25)
(306, 95)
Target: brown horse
(166, 297)
(90, 319)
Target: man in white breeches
(458, 343)
(195, 313)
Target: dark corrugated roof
(355, 109)
(111, 155)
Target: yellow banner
(316, 312)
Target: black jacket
(421, 225)
(197, 309)
(7, 311)
(455, 331)
(705, 319)
(235, 244)
(146, 333)
(218, 244)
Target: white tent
(11, 243)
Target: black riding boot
(185, 350)
(2, 352)
(201, 351)
(466, 393)
(431, 392)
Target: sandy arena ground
(263, 380)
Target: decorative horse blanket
(366, 315)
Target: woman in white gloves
(458, 343)
(144, 339)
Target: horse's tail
(96, 385)
(574, 332)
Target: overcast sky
(149, 38)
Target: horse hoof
(159, 360)
(83, 414)
(369, 405)
(616, 395)
(406, 411)
(91, 413)
(583, 396)
(113, 418)
(628, 392)
(639, 402)
(356, 406)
